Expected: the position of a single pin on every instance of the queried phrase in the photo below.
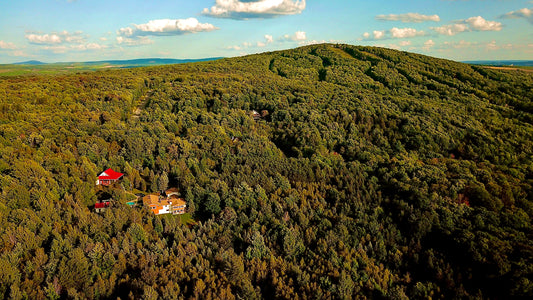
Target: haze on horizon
(87, 30)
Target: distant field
(525, 69)
(17, 70)
(38, 68)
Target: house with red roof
(108, 176)
(101, 206)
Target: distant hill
(142, 62)
(34, 67)
(519, 63)
(31, 62)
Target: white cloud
(242, 10)
(76, 37)
(138, 41)
(525, 13)
(7, 45)
(480, 24)
(76, 47)
(471, 24)
(399, 45)
(452, 29)
(396, 33)
(378, 34)
(409, 18)
(55, 38)
(461, 44)
(492, 46)
(428, 45)
(56, 49)
(95, 46)
(47, 39)
(238, 48)
(298, 36)
(400, 33)
(167, 27)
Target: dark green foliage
(371, 173)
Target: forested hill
(368, 173)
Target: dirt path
(142, 102)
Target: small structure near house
(172, 191)
(171, 204)
(101, 206)
(256, 115)
(259, 116)
(108, 176)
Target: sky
(89, 30)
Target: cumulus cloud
(89, 46)
(471, 24)
(247, 9)
(268, 40)
(44, 39)
(56, 49)
(400, 33)
(75, 47)
(7, 45)
(461, 44)
(55, 38)
(298, 36)
(408, 18)
(378, 34)
(396, 33)
(428, 45)
(166, 27)
(452, 29)
(238, 48)
(137, 41)
(480, 24)
(525, 13)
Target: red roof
(110, 174)
(101, 204)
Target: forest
(370, 173)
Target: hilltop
(367, 172)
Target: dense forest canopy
(369, 173)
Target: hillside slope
(370, 173)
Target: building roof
(150, 199)
(172, 191)
(101, 204)
(179, 202)
(110, 174)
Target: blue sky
(85, 30)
